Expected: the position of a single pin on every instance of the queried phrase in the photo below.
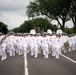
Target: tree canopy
(72, 11)
(55, 9)
(2, 25)
(42, 23)
(59, 10)
(3, 28)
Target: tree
(3, 28)
(25, 27)
(2, 25)
(55, 9)
(42, 23)
(73, 13)
(69, 30)
(15, 30)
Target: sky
(13, 13)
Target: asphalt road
(39, 66)
(52, 66)
(12, 66)
(71, 55)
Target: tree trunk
(74, 24)
(63, 25)
(74, 27)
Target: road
(12, 66)
(17, 65)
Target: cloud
(13, 18)
(13, 12)
(8, 5)
(68, 24)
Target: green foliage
(25, 27)
(69, 30)
(54, 28)
(15, 30)
(3, 28)
(2, 25)
(43, 23)
(72, 13)
(55, 9)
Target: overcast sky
(13, 12)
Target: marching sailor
(24, 45)
(3, 45)
(45, 46)
(57, 46)
(11, 39)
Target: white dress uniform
(39, 38)
(61, 43)
(24, 45)
(53, 37)
(65, 39)
(49, 43)
(75, 41)
(57, 47)
(11, 40)
(16, 44)
(19, 44)
(35, 46)
(0, 43)
(45, 47)
(3, 49)
(31, 41)
(0, 46)
(28, 43)
(70, 43)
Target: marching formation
(34, 44)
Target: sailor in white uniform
(24, 45)
(31, 41)
(53, 37)
(3, 45)
(57, 46)
(1, 36)
(11, 39)
(45, 46)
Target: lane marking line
(25, 67)
(68, 58)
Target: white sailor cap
(49, 31)
(32, 31)
(59, 31)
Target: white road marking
(25, 66)
(68, 58)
